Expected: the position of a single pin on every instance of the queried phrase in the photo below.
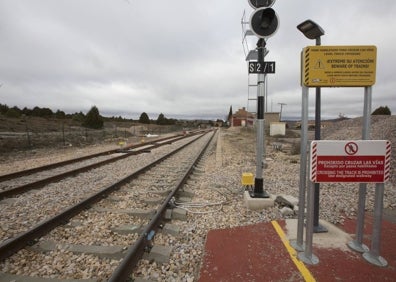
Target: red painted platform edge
(256, 253)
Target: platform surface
(257, 253)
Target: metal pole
(373, 256)
(265, 103)
(281, 105)
(258, 191)
(266, 92)
(299, 244)
(317, 227)
(357, 244)
(280, 114)
(63, 134)
(29, 141)
(307, 256)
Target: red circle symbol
(351, 148)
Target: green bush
(382, 111)
(93, 119)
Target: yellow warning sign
(339, 66)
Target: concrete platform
(261, 252)
(257, 203)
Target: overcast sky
(179, 58)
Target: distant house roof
(242, 113)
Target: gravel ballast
(218, 193)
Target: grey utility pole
(312, 30)
(280, 115)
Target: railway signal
(264, 21)
(255, 4)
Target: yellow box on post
(247, 179)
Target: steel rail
(136, 251)
(17, 174)
(40, 183)
(11, 246)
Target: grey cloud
(181, 58)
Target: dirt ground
(27, 137)
(33, 133)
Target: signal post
(263, 23)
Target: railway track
(21, 181)
(101, 243)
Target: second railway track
(95, 227)
(19, 182)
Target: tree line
(92, 119)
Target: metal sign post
(373, 256)
(307, 256)
(342, 66)
(357, 244)
(299, 244)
